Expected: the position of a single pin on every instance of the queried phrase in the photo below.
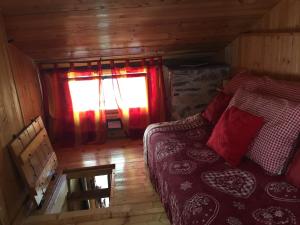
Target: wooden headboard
(35, 158)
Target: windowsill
(112, 114)
(111, 111)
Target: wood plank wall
(10, 123)
(273, 45)
(12, 192)
(27, 84)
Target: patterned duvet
(196, 186)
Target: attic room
(150, 112)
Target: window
(132, 89)
(85, 93)
(101, 182)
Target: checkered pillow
(264, 85)
(276, 139)
(281, 88)
(243, 80)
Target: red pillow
(233, 133)
(216, 107)
(294, 169)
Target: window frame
(109, 76)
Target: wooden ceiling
(51, 30)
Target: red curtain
(136, 119)
(67, 125)
(156, 91)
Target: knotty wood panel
(12, 190)
(284, 17)
(14, 7)
(27, 84)
(276, 54)
(10, 123)
(273, 45)
(34, 156)
(53, 30)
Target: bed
(196, 185)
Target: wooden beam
(89, 171)
(88, 195)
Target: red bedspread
(196, 186)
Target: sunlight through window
(101, 181)
(132, 89)
(85, 95)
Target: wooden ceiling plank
(17, 7)
(89, 28)
(178, 27)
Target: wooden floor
(133, 200)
